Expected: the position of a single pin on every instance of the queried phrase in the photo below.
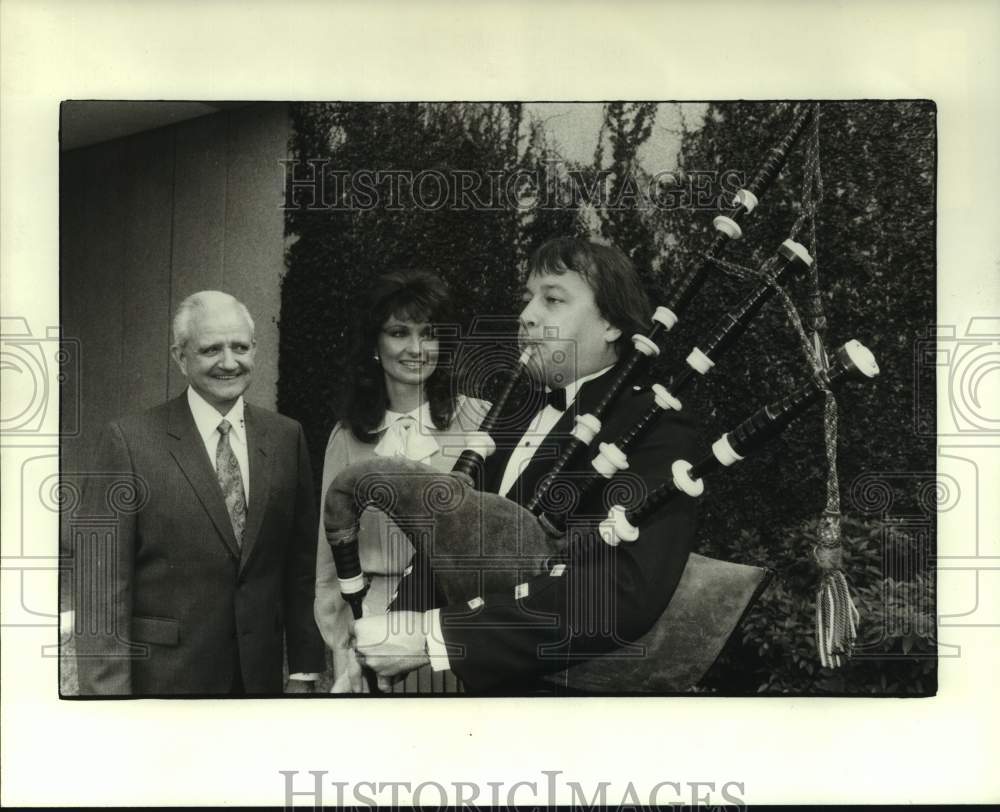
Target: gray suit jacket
(166, 601)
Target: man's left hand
(392, 645)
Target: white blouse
(408, 435)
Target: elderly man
(582, 304)
(208, 577)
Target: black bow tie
(556, 398)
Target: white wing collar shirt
(538, 430)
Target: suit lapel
(258, 449)
(188, 451)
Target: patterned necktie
(231, 482)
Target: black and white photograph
(516, 348)
(410, 406)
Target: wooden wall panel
(254, 258)
(199, 215)
(72, 227)
(93, 291)
(148, 202)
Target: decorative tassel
(836, 615)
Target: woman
(401, 401)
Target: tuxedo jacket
(166, 601)
(602, 597)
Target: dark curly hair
(413, 295)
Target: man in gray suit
(209, 576)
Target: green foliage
(774, 650)
(628, 127)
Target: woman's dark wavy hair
(414, 295)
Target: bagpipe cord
(836, 615)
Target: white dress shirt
(538, 430)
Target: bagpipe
(466, 532)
